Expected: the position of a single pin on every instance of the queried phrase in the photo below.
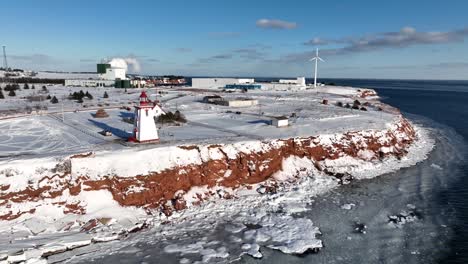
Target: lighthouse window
(146, 112)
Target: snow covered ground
(44, 133)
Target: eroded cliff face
(216, 170)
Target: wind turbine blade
(320, 59)
(312, 59)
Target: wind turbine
(316, 59)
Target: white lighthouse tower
(144, 126)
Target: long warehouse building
(218, 83)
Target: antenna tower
(5, 63)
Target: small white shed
(280, 121)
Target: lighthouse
(144, 126)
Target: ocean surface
(443, 105)
(435, 189)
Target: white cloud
(275, 24)
(317, 42)
(405, 37)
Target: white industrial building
(107, 74)
(89, 83)
(249, 84)
(286, 84)
(217, 83)
(240, 102)
(298, 81)
(113, 69)
(113, 73)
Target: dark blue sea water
(445, 102)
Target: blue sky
(358, 39)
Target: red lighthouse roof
(144, 98)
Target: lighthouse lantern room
(144, 126)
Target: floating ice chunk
(290, 235)
(348, 206)
(405, 216)
(235, 239)
(250, 234)
(210, 253)
(184, 261)
(235, 228)
(36, 261)
(213, 243)
(53, 249)
(435, 166)
(185, 249)
(16, 258)
(252, 250)
(105, 238)
(261, 236)
(360, 228)
(78, 243)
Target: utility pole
(63, 115)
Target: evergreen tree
(106, 95)
(80, 100)
(12, 93)
(26, 86)
(178, 116)
(11, 87)
(88, 95)
(48, 97)
(33, 87)
(54, 100)
(44, 88)
(1, 95)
